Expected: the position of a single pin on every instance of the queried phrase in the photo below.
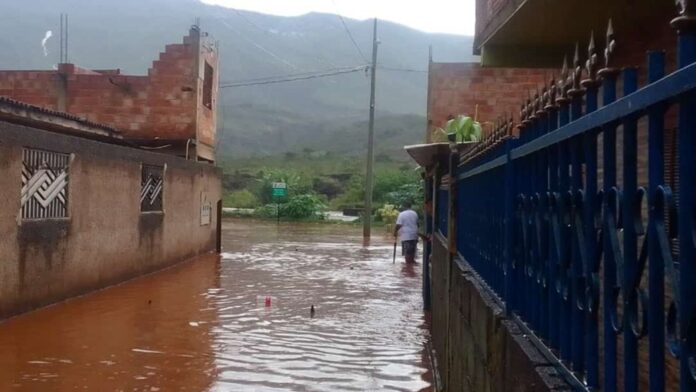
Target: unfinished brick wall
(457, 88)
(36, 87)
(166, 104)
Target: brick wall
(36, 87)
(165, 104)
(457, 88)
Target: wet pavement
(207, 324)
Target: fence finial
(609, 70)
(534, 108)
(552, 92)
(541, 102)
(687, 15)
(611, 45)
(563, 82)
(591, 64)
(576, 74)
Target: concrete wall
(477, 348)
(106, 238)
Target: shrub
(407, 192)
(297, 184)
(387, 214)
(302, 207)
(296, 207)
(241, 199)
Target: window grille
(44, 184)
(151, 189)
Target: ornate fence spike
(541, 105)
(576, 74)
(687, 15)
(563, 86)
(534, 108)
(609, 50)
(552, 92)
(686, 7)
(523, 116)
(592, 64)
(528, 109)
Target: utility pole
(367, 213)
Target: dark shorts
(408, 248)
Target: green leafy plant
(462, 128)
(412, 192)
(296, 182)
(303, 207)
(387, 214)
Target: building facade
(105, 177)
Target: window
(151, 188)
(208, 86)
(44, 184)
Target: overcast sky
(439, 16)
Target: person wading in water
(407, 229)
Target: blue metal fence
(569, 240)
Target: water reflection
(242, 323)
(146, 335)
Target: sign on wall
(44, 184)
(206, 209)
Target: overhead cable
(350, 35)
(291, 78)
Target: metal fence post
(630, 241)
(686, 28)
(656, 318)
(591, 262)
(509, 200)
(609, 75)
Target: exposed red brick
(166, 104)
(457, 88)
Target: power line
(320, 57)
(401, 69)
(291, 78)
(268, 52)
(298, 74)
(345, 26)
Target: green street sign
(279, 189)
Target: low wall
(105, 237)
(477, 348)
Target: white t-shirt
(409, 225)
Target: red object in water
(268, 301)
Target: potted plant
(460, 129)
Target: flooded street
(239, 323)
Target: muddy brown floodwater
(204, 324)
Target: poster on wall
(206, 209)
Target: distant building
(172, 108)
